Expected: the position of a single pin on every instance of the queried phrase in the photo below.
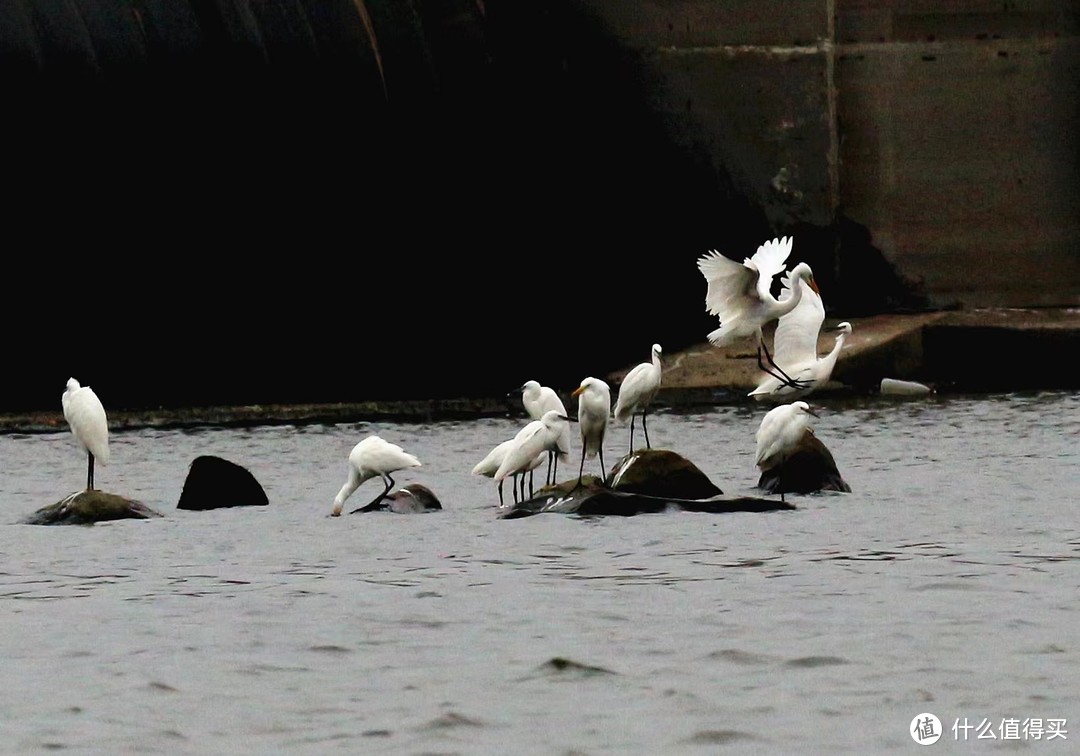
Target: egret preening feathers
(740, 295)
(594, 408)
(373, 458)
(795, 349)
(86, 417)
(636, 393)
(779, 434)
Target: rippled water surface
(946, 582)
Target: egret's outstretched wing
(728, 283)
(796, 337)
(770, 260)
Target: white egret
(594, 408)
(636, 393)
(373, 458)
(535, 439)
(779, 434)
(489, 465)
(538, 400)
(740, 295)
(795, 350)
(86, 417)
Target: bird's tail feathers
(725, 335)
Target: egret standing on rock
(373, 458)
(636, 393)
(537, 401)
(795, 350)
(490, 464)
(594, 408)
(741, 296)
(86, 418)
(779, 434)
(537, 438)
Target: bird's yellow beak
(813, 285)
(577, 392)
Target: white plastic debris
(903, 388)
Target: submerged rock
(213, 483)
(90, 506)
(414, 498)
(650, 480)
(810, 468)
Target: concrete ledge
(976, 350)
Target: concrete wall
(959, 145)
(943, 133)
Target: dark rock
(810, 468)
(659, 472)
(414, 498)
(595, 500)
(90, 506)
(213, 483)
(650, 480)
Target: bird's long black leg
(532, 490)
(645, 428)
(780, 375)
(374, 504)
(632, 418)
(501, 493)
(89, 471)
(603, 469)
(547, 480)
(581, 469)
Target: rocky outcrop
(415, 498)
(213, 483)
(90, 506)
(810, 468)
(651, 480)
(659, 472)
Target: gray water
(945, 582)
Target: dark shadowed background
(247, 201)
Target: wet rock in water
(643, 482)
(570, 668)
(213, 483)
(90, 506)
(411, 499)
(810, 468)
(659, 472)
